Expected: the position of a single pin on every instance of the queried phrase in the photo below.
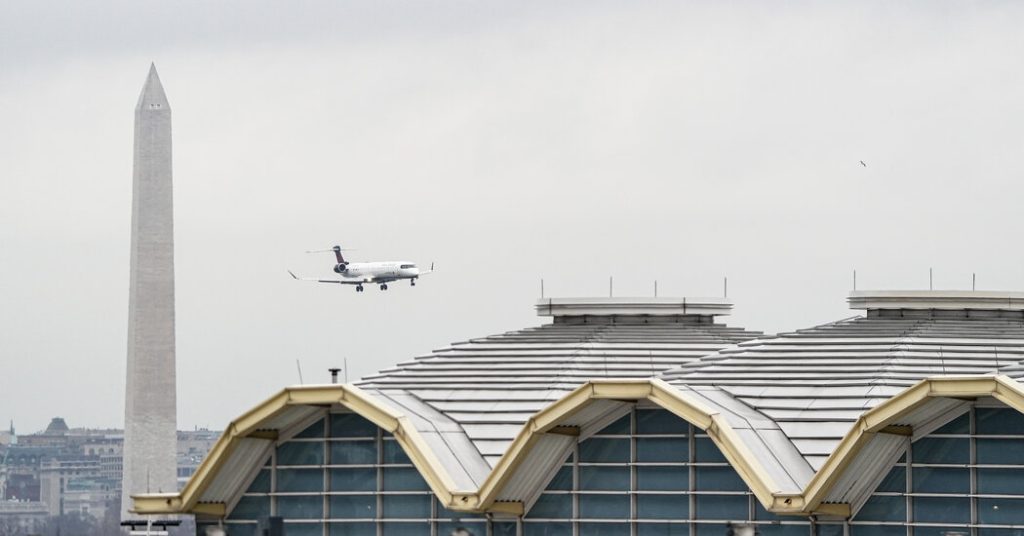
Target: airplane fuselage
(377, 272)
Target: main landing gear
(412, 282)
(359, 288)
(383, 286)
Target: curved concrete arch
(883, 419)
(887, 417)
(249, 425)
(658, 392)
(252, 425)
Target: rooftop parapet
(947, 300)
(633, 307)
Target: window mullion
(972, 428)
(576, 489)
(380, 482)
(910, 486)
(692, 484)
(325, 485)
(273, 481)
(633, 512)
(435, 515)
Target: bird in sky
(863, 164)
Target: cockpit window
(405, 266)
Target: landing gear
(359, 288)
(412, 282)
(383, 286)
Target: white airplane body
(379, 273)
(369, 272)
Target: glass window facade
(343, 475)
(967, 478)
(649, 473)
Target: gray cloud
(678, 142)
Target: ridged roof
(810, 418)
(814, 383)
(489, 387)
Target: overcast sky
(507, 142)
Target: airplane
(360, 273)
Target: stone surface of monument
(150, 418)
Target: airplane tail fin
(337, 253)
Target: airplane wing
(430, 271)
(338, 281)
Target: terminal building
(650, 417)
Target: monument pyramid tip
(152, 96)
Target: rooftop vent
(967, 302)
(639, 310)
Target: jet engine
(340, 268)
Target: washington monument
(150, 416)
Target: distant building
(91, 496)
(21, 483)
(192, 448)
(108, 449)
(72, 483)
(64, 470)
(7, 437)
(650, 418)
(55, 435)
(22, 517)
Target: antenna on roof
(542, 288)
(655, 288)
(855, 280)
(974, 281)
(930, 285)
(298, 366)
(725, 286)
(610, 294)
(344, 361)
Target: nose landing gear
(412, 282)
